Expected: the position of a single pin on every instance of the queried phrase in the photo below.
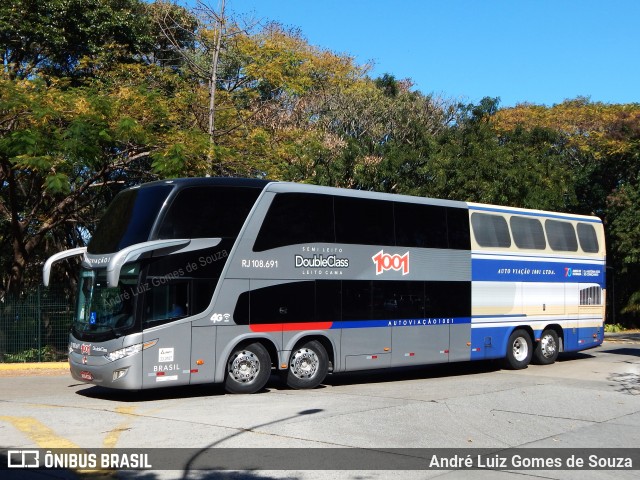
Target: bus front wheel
(546, 351)
(519, 350)
(248, 369)
(308, 365)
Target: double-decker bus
(193, 281)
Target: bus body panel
(168, 362)
(203, 354)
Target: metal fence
(34, 327)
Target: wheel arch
(526, 328)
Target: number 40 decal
(385, 261)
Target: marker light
(130, 350)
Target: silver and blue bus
(215, 280)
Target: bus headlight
(130, 350)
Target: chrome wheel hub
(548, 346)
(244, 366)
(304, 363)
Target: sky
(535, 51)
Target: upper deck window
(528, 233)
(363, 221)
(561, 235)
(490, 230)
(588, 238)
(208, 212)
(423, 226)
(129, 219)
(295, 218)
(431, 226)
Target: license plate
(86, 375)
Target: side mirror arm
(46, 270)
(153, 248)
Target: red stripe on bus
(277, 327)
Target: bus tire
(248, 369)
(519, 350)
(308, 366)
(546, 351)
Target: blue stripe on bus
(403, 322)
(536, 271)
(534, 214)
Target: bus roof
(283, 187)
(211, 181)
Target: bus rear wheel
(308, 365)
(546, 351)
(248, 369)
(519, 350)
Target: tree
(519, 168)
(51, 37)
(198, 41)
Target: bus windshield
(106, 312)
(129, 219)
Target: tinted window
(398, 300)
(206, 263)
(166, 301)
(490, 230)
(458, 228)
(447, 299)
(364, 221)
(356, 300)
(561, 235)
(328, 300)
(129, 219)
(528, 233)
(290, 302)
(588, 238)
(202, 293)
(208, 212)
(295, 218)
(180, 285)
(287, 303)
(423, 226)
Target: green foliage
(44, 354)
(613, 328)
(624, 227)
(52, 36)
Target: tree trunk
(212, 86)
